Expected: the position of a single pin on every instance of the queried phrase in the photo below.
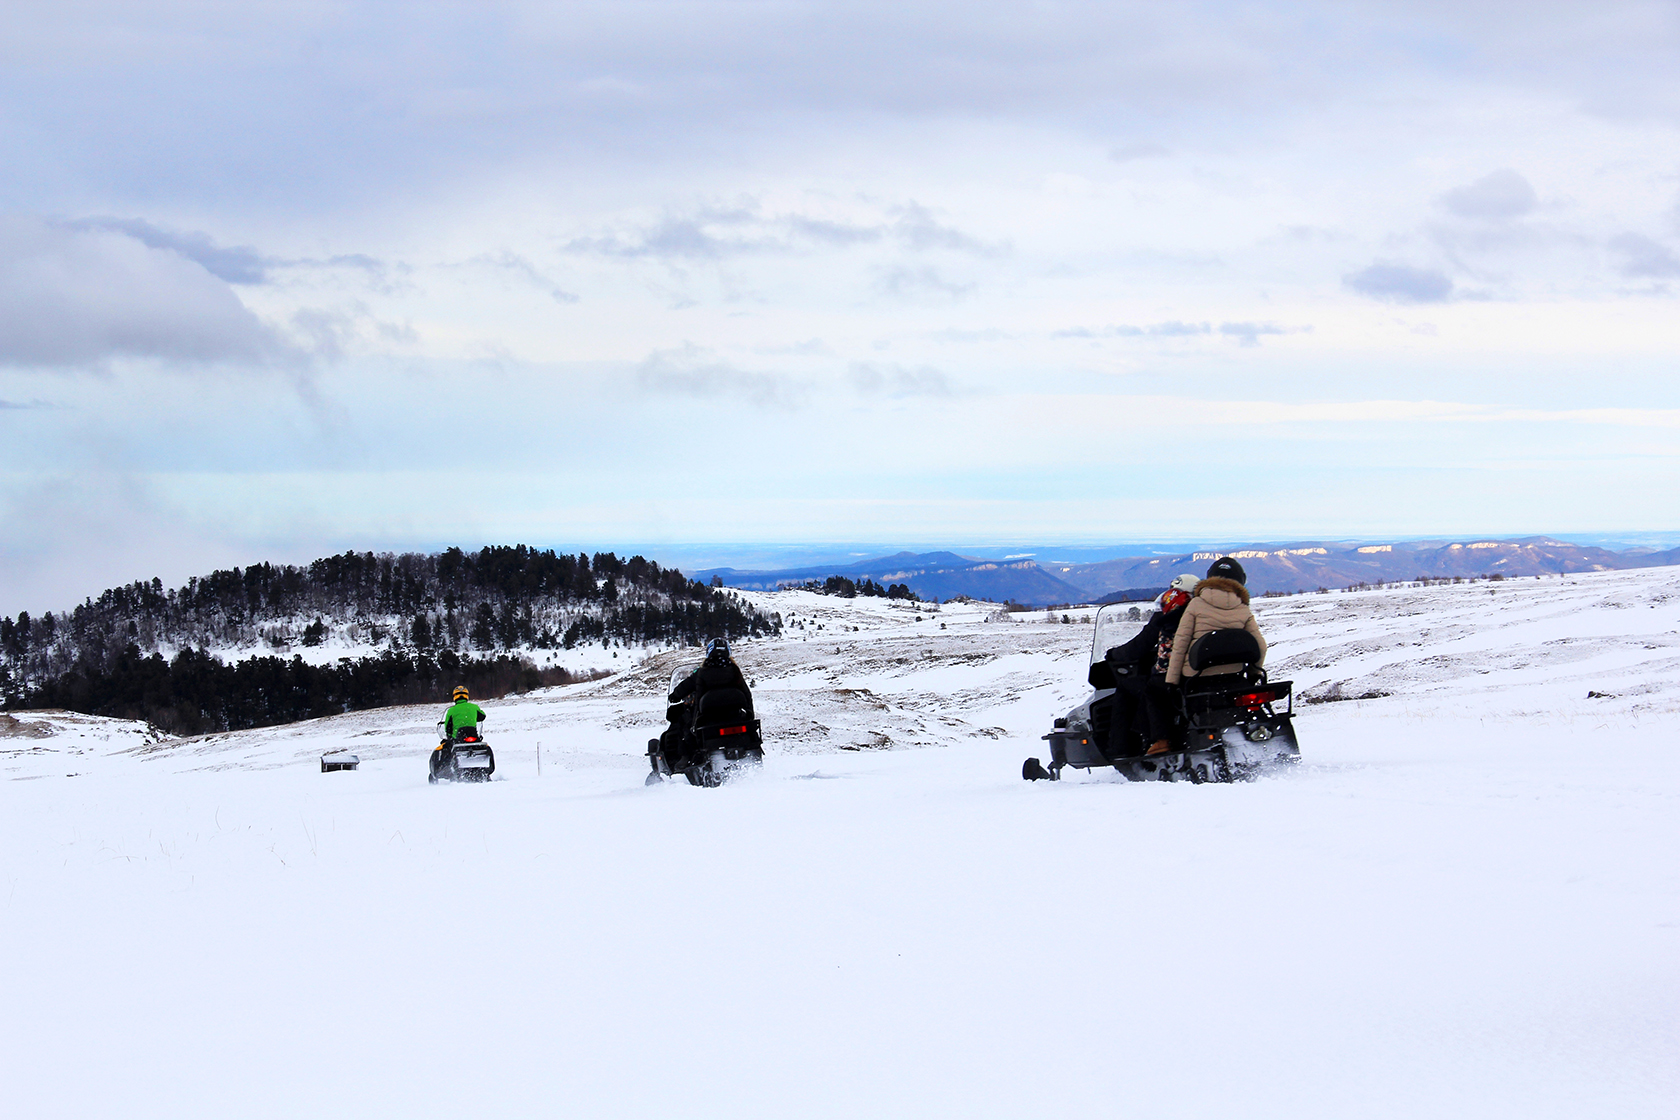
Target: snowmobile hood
(1222, 592)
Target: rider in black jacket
(718, 671)
(1143, 701)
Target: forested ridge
(172, 656)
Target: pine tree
(484, 627)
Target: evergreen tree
(484, 627)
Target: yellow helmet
(460, 692)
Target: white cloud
(899, 381)
(715, 233)
(1249, 334)
(693, 371)
(917, 281)
(88, 514)
(78, 297)
(917, 227)
(1497, 196)
(1400, 283)
(1126, 153)
(237, 264)
(1098, 410)
(1246, 333)
(1643, 258)
(521, 267)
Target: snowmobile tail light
(742, 730)
(1255, 699)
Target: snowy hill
(52, 743)
(1463, 903)
(238, 648)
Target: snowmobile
(466, 758)
(1232, 724)
(710, 737)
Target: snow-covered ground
(1465, 902)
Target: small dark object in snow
(338, 760)
(1601, 696)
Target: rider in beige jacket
(1217, 604)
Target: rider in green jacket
(463, 714)
(462, 717)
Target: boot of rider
(670, 748)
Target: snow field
(1463, 903)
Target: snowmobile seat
(1220, 648)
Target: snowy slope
(1465, 903)
(53, 743)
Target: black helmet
(717, 650)
(1227, 568)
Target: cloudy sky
(282, 278)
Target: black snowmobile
(1232, 724)
(465, 758)
(710, 738)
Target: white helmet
(1185, 583)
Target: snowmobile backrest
(1224, 647)
(721, 703)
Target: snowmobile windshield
(678, 675)
(1114, 625)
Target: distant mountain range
(1304, 566)
(932, 575)
(1297, 566)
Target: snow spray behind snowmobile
(465, 758)
(1231, 724)
(710, 738)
